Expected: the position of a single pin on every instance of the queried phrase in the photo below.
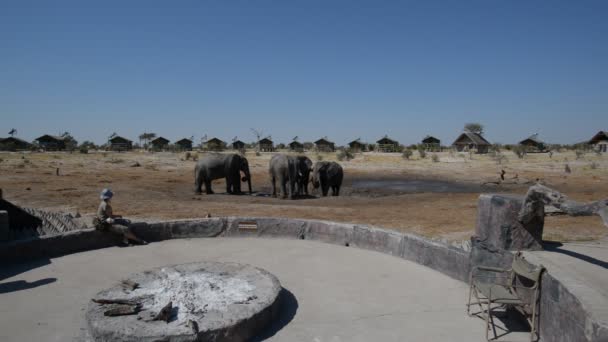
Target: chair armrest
(490, 269)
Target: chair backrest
(524, 269)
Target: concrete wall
(562, 317)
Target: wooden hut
(471, 141)
(215, 144)
(51, 142)
(184, 144)
(266, 145)
(13, 144)
(599, 142)
(387, 144)
(533, 144)
(324, 145)
(118, 143)
(296, 146)
(238, 145)
(159, 143)
(356, 146)
(431, 144)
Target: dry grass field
(161, 187)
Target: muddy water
(413, 186)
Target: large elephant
(304, 167)
(327, 174)
(216, 166)
(283, 169)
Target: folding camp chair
(510, 292)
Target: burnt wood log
(123, 310)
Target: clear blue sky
(344, 69)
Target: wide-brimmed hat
(106, 194)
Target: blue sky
(342, 69)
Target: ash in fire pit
(209, 301)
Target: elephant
(304, 167)
(216, 166)
(327, 174)
(283, 169)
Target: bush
(407, 153)
(345, 154)
(319, 157)
(435, 158)
(593, 165)
(187, 156)
(83, 150)
(520, 151)
(422, 153)
(579, 154)
(567, 169)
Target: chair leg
(533, 334)
(488, 313)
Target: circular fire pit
(207, 301)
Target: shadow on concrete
(18, 285)
(15, 269)
(505, 323)
(287, 311)
(555, 247)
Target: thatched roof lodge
(296, 146)
(431, 144)
(266, 145)
(13, 144)
(387, 144)
(324, 145)
(533, 144)
(51, 142)
(184, 144)
(118, 143)
(215, 144)
(159, 143)
(599, 142)
(468, 141)
(238, 145)
(356, 145)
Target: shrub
(579, 154)
(519, 151)
(567, 169)
(421, 152)
(593, 165)
(187, 156)
(435, 158)
(319, 157)
(257, 153)
(345, 154)
(407, 153)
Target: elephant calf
(291, 170)
(216, 166)
(327, 174)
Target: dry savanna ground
(161, 187)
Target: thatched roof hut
(387, 144)
(356, 145)
(533, 144)
(184, 144)
(51, 142)
(431, 144)
(266, 145)
(471, 141)
(215, 144)
(238, 145)
(600, 141)
(118, 143)
(296, 146)
(324, 145)
(13, 144)
(159, 143)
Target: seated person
(107, 221)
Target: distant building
(356, 146)
(51, 142)
(431, 144)
(159, 143)
(599, 142)
(533, 144)
(119, 143)
(266, 145)
(238, 145)
(13, 144)
(215, 144)
(296, 146)
(324, 145)
(387, 144)
(184, 144)
(468, 141)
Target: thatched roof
(118, 139)
(387, 141)
(295, 144)
(215, 141)
(48, 137)
(532, 140)
(160, 141)
(600, 136)
(471, 138)
(14, 140)
(430, 140)
(323, 141)
(184, 141)
(265, 141)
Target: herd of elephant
(292, 173)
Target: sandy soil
(162, 188)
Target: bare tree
(474, 127)
(258, 135)
(12, 132)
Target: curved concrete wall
(562, 318)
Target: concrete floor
(334, 293)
